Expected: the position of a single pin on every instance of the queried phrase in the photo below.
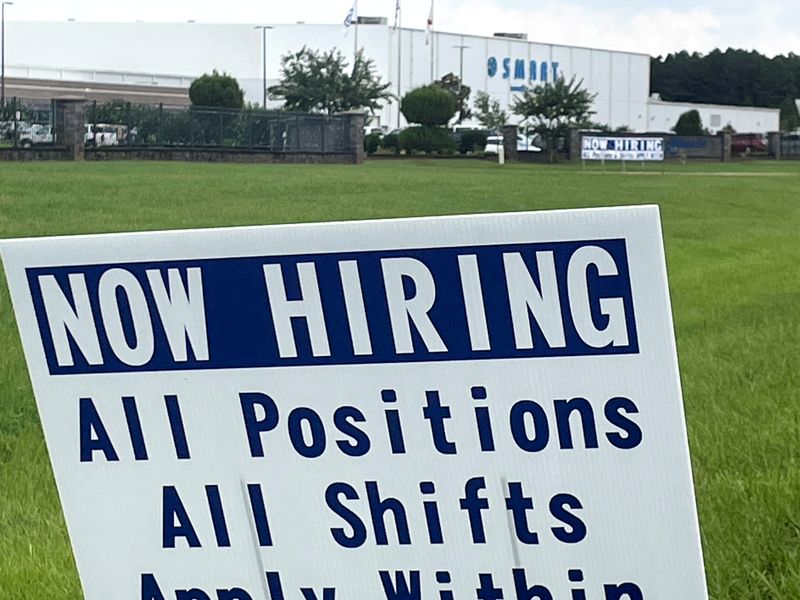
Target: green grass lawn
(732, 235)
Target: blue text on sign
(435, 304)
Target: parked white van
(103, 134)
(524, 144)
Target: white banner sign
(480, 407)
(603, 147)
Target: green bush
(689, 123)
(391, 142)
(371, 142)
(217, 89)
(427, 139)
(429, 105)
(472, 140)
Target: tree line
(735, 77)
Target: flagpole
(430, 39)
(355, 45)
(399, 58)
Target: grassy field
(732, 235)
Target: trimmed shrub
(472, 140)
(427, 139)
(371, 142)
(391, 142)
(217, 89)
(429, 105)
(689, 123)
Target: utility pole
(263, 29)
(3, 52)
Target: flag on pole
(397, 14)
(352, 14)
(429, 26)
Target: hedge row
(430, 140)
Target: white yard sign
(604, 147)
(479, 407)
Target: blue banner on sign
(438, 304)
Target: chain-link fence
(133, 125)
(27, 123)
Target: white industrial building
(172, 54)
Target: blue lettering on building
(536, 71)
(492, 66)
(519, 69)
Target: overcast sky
(770, 26)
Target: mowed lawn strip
(732, 235)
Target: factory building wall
(173, 54)
(662, 116)
(620, 80)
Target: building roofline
(654, 102)
(43, 68)
(388, 26)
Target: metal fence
(790, 145)
(27, 123)
(133, 125)
(693, 146)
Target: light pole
(3, 52)
(461, 48)
(263, 29)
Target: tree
(429, 106)
(313, 81)
(689, 123)
(488, 112)
(453, 84)
(552, 110)
(217, 89)
(790, 117)
(737, 77)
